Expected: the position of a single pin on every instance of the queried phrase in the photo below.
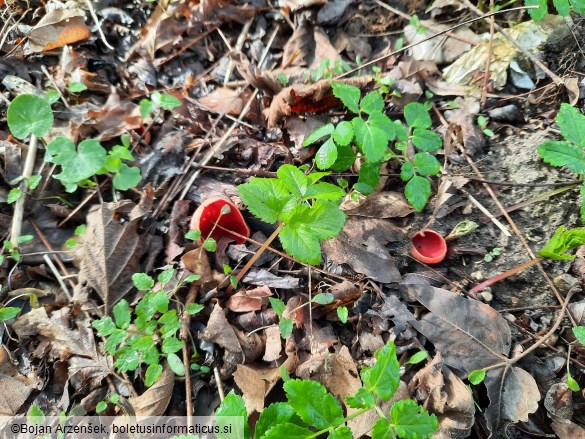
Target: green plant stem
(19, 205)
(347, 418)
(504, 275)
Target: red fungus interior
(232, 221)
(430, 245)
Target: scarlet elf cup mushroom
(217, 221)
(428, 247)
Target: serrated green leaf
(369, 174)
(265, 197)
(407, 171)
(417, 116)
(324, 191)
(382, 429)
(142, 281)
(176, 364)
(372, 137)
(562, 154)
(372, 102)
(29, 114)
(288, 431)
(105, 326)
(579, 332)
(362, 399)
(313, 403)
(153, 373)
(563, 241)
(426, 140)
(296, 181)
(171, 345)
(301, 243)
(412, 421)
(539, 13)
(342, 432)
(426, 164)
(417, 192)
(348, 94)
(345, 158)
(8, 313)
(233, 405)
(572, 124)
(114, 339)
(384, 376)
(319, 133)
(326, 155)
(343, 133)
(122, 314)
(127, 177)
(285, 327)
(274, 414)
(127, 358)
(277, 305)
(578, 6)
(476, 376)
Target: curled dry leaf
(15, 387)
(251, 300)
(273, 344)
(155, 400)
(58, 28)
(219, 331)
(383, 205)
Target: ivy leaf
(29, 114)
(326, 155)
(345, 158)
(274, 414)
(319, 133)
(412, 421)
(426, 164)
(417, 116)
(176, 364)
(8, 313)
(382, 429)
(563, 154)
(426, 140)
(295, 179)
(127, 177)
(288, 431)
(372, 103)
(313, 403)
(343, 133)
(348, 94)
(152, 374)
(384, 376)
(417, 192)
(122, 314)
(265, 197)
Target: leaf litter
(183, 50)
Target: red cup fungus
(208, 213)
(428, 247)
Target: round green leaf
(426, 140)
(426, 164)
(417, 192)
(127, 177)
(417, 116)
(476, 376)
(176, 364)
(29, 114)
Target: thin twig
(486, 77)
(58, 277)
(29, 164)
(97, 24)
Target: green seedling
(483, 123)
(371, 134)
(493, 254)
(8, 312)
(11, 251)
(569, 152)
(157, 102)
(101, 406)
(79, 232)
(563, 8)
(310, 411)
(305, 210)
(285, 324)
(148, 334)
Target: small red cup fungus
(428, 247)
(208, 213)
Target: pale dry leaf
(265, 278)
(155, 400)
(568, 430)
(58, 28)
(255, 382)
(250, 300)
(559, 402)
(112, 250)
(16, 388)
(383, 205)
(273, 344)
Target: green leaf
(286, 327)
(313, 403)
(116, 337)
(14, 194)
(29, 114)
(142, 281)
(176, 364)
(362, 399)
(540, 13)
(319, 133)
(295, 179)
(153, 373)
(146, 108)
(417, 192)
(343, 133)
(288, 431)
(165, 276)
(171, 345)
(582, 195)
(572, 124)
(122, 314)
(578, 6)
(277, 305)
(342, 313)
(105, 326)
(345, 158)
(194, 308)
(407, 171)
(301, 243)
(327, 154)
(417, 115)
(8, 313)
(34, 181)
(476, 376)
(324, 298)
(426, 140)
(369, 174)
(210, 245)
(348, 94)
(426, 164)
(193, 235)
(382, 429)
(233, 405)
(417, 358)
(561, 242)
(384, 376)
(36, 412)
(579, 332)
(372, 137)
(342, 432)
(76, 87)
(101, 406)
(572, 384)
(51, 96)
(314, 177)
(412, 421)
(372, 103)
(127, 177)
(274, 414)
(168, 101)
(127, 359)
(324, 191)
(563, 154)
(265, 197)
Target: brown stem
(504, 275)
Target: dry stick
(239, 44)
(97, 24)
(486, 213)
(410, 46)
(184, 331)
(55, 86)
(29, 164)
(488, 62)
(57, 275)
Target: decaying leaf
(255, 382)
(58, 28)
(155, 400)
(383, 205)
(250, 300)
(15, 387)
(112, 250)
(273, 344)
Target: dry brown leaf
(559, 402)
(174, 237)
(115, 118)
(219, 331)
(362, 245)
(58, 28)
(383, 205)
(112, 250)
(155, 400)
(568, 430)
(255, 382)
(251, 300)
(15, 387)
(464, 116)
(225, 100)
(273, 344)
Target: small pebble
(564, 282)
